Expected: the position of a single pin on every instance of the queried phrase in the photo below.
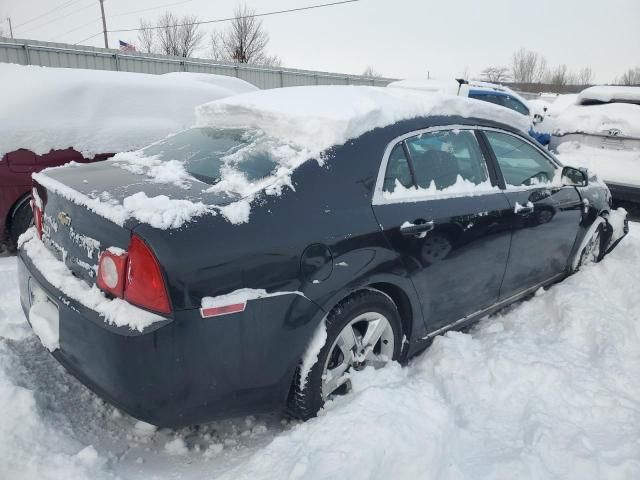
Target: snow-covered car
(601, 131)
(52, 116)
(293, 237)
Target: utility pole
(104, 25)
(10, 27)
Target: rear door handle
(418, 227)
(523, 209)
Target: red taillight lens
(144, 284)
(111, 272)
(134, 275)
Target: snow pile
(462, 187)
(609, 93)
(160, 211)
(617, 166)
(548, 388)
(158, 171)
(115, 311)
(599, 119)
(234, 85)
(95, 111)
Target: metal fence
(62, 55)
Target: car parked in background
(51, 116)
(483, 91)
(276, 261)
(601, 131)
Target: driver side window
(521, 163)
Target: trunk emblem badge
(64, 219)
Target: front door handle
(419, 227)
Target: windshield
(210, 153)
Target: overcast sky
(398, 38)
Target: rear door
(440, 208)
(544, 214)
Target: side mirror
(537, 118)
(573, 177)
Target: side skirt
(474, 317)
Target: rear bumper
(191, 370)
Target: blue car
(506, 99)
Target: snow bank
(547, 389)
(616, 166)
(608, 93)
(95, 111)
(234, 85)
(115, 311)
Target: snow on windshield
(95, 111)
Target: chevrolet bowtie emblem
(64, 219)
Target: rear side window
(442, 158)
(435, 161)
(521, 163)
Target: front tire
(592, 252)
(363, 330)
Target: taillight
(134, 275)
(144, 284)
(111, 271)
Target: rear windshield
(210, 153)
(592, 101)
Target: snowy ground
(548, 389)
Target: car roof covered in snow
(609, 93)
(233, 84)
(96, 111)
(319, 117)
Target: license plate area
(44, 317)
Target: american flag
(127, 47)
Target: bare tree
(175, 36)
(370, 72)
(528, 66)
(559, 76)
(244, 41)
(495, 74)
(630, 77)
(146, 37)
(189, 35)
(584, 76)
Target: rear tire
(21, 220)
(363, 330)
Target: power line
(148, 9)
(109, 17)
(276, 12)
(61, 17)
(66, 4)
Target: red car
(52, 116)
(15, 186)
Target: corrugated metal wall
(47, 54)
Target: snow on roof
(599, 119)
(233, 84)
(95, 111)
(609, 93)
(316, 118)
(447, 87)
